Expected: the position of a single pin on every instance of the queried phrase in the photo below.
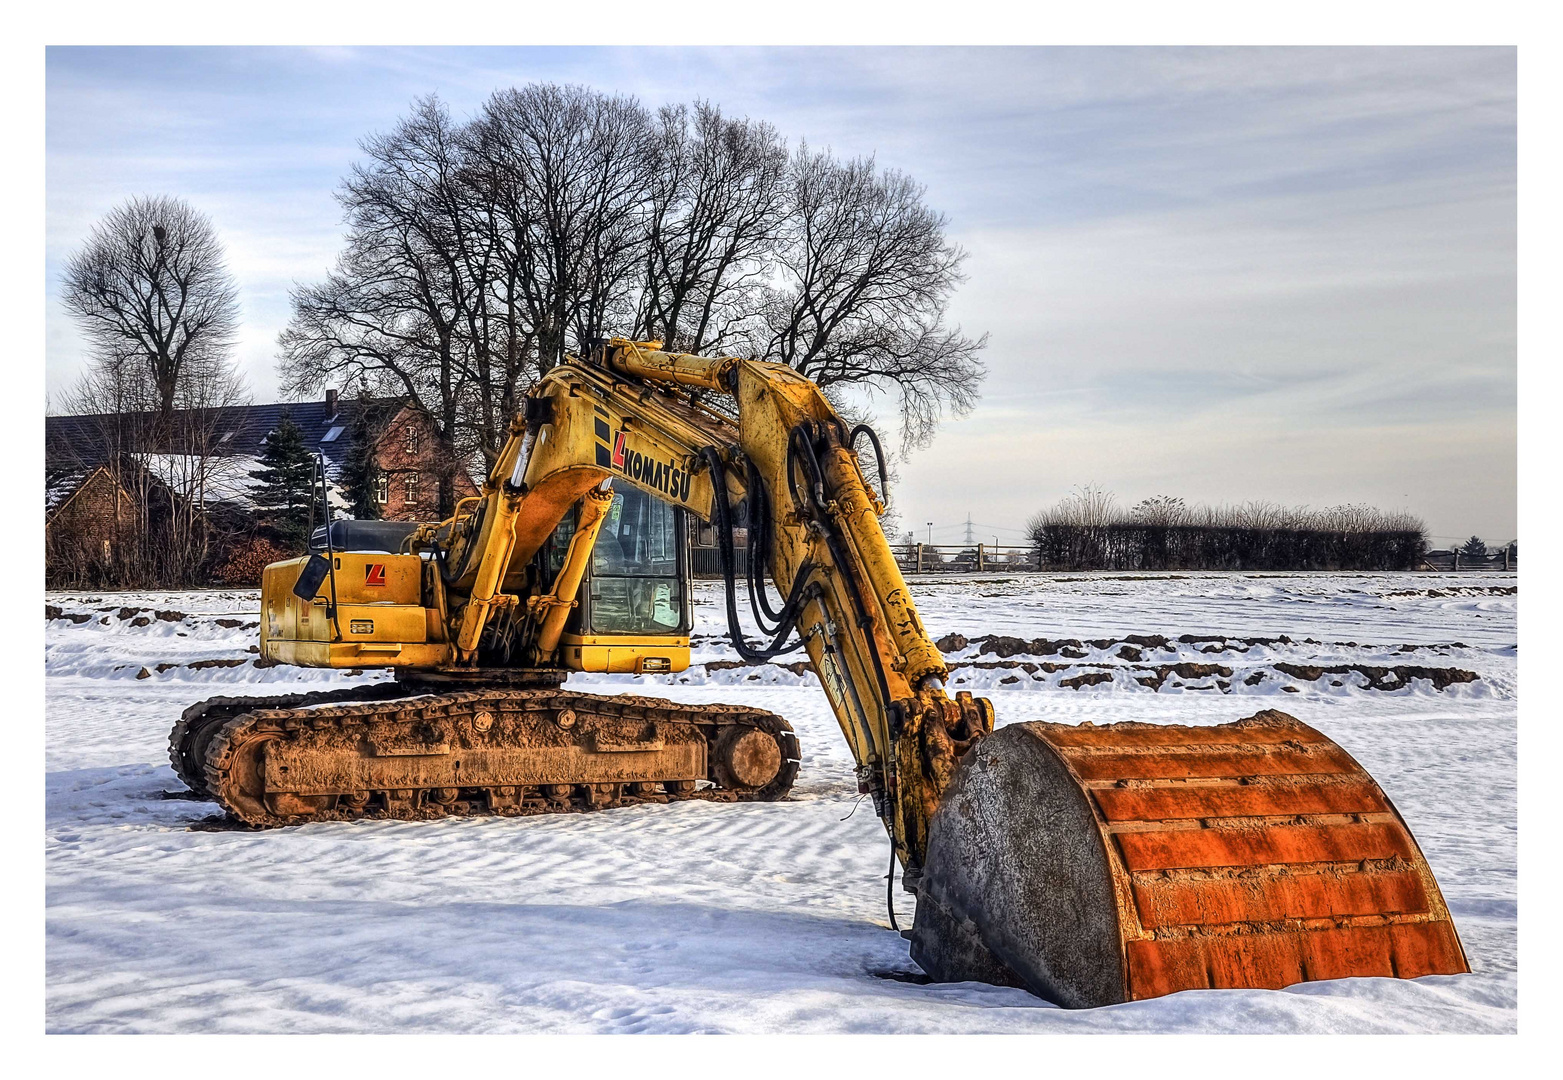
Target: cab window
(635, 584)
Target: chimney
(331, 410)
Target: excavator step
(1097, 865)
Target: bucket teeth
(1105, 864)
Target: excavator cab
(632, 612)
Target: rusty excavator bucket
(1098, 865)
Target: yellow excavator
(1089, 865)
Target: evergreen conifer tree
(283, 496)
(360, 471)
(1473, 548)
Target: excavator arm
(787, 459)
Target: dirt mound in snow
(1133, 647)
(1382, 678)
(1460, 590)
(139, 616)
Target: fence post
(1456, 563)
(980, 566)
(1506, 556)
(919, 558)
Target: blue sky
(1226, 274)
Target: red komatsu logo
(374, 574)
(619, 441)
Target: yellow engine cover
(383, 623)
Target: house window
(382, 489)
(410, 490)
(334, 434)
(410, 439)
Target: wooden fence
(1447, 561)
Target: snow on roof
(223, 479)
(60, 485)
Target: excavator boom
(1089, 865)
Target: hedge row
(1130, 546)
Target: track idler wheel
(754, 762)
(1097, 865)
(240, 772)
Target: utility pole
(930, 534)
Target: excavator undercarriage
(375, 753)
(1090, 865)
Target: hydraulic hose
(793, 606)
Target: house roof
(60, 484)
(227, 479)
(239, 431)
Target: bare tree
(1164, 510)
(717, 204)
(151, 292)
(153, 296)
(869, 274)
(480, 254)
(568, 172)
(397, 311)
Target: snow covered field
(771, 918)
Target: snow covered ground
(769, 918)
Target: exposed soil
(1089, 678)
(797, 668)
(1461, 590)
(1382, 678)
(1132, 647)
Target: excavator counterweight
(1090, 865)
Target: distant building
(89, 518)
(99, 470)
(406, 450)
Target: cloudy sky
(1281, 274)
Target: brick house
(406, 455)
(82, 495)
(90, 518)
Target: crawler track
(377, 752)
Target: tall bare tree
(717, 203)
(868, 277)
(156, 301)
(151, 292)
(480, 254)
(569, 173)
(396, 310)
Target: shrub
(1087, 531)
(246, 559)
